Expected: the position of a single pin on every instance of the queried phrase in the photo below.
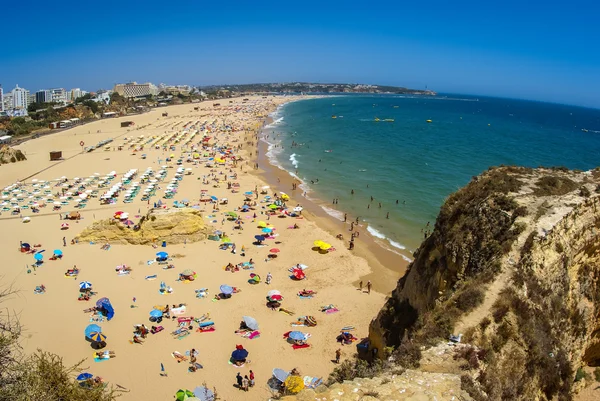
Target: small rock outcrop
(172, 225)
(10, 155)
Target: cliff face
(513, 265)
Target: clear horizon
(518, 51)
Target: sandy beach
(55, 321)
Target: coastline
(387, 266)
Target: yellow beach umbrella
(318, 243)
(262, 224)
(294, 384)
(284, 196)
(325, 246)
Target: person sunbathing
(306, 293)
(296, 226)
(137, 340)
(83, 297)
(105, 354)
(90, 310)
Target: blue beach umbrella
(267, 230)
(280, 374)
(162, 256)
(156, 313)
(85, 285)
(58, 252)
(214, 198)
(248, 193)
(259, 238)
(91, 329)
(84, 376)
(38, 257)
(297, 335)
(226, 289)
(239, 354)
(204, 394)
(97, 336)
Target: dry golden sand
(55, 322)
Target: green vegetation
(554, 185)
(41, 376)
(352, 368)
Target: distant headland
(307, 87)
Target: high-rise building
(1, 99)
(133, 89)
(59, 95)
(20, 98)
(76, 93)
(43, 96)
(31, 99)
(7, 101)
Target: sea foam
(333, 213)
(294, 160)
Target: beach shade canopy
(262, 224)
(294, 384)
(188, 272)
(92, 328)
(162, 256)
(267, 230)
(214, 198)
(97, 336)
(226, 289)
(104, 305)
(274, 250)
(182, 395)
(232, 214)
(25, 245)
(297, 336)
(239, 355)
(280, 374)
(58, 252)
(248, 193)
(299, 274)
(85, 285)
(273, 206)
(38, 256)
(204, 394)
(273, 293)
(259, 238)
(84, 376)
(156, 313)
(250, 322)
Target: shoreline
(387, 266)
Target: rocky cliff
(10, 155)
(512, 264)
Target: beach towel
(123, 273)
(287, 312)
(305, 296)
(300, 346)
(152, 277)
(348, 328)
(332, 310)
(312, 382)
(178, 311)
(205, 329)
(150, 262)
(102, 359)
(178, 356)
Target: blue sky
(532, 50)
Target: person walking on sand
(269, 278)
(64, 241)
(240, 381)
(338, 354)
(245, 383)
(251, 378)
(345, 217)
(360, 285)
(369, 287)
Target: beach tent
(204, 394)
(104, 305)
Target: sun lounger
(295, 346)
(205, 329)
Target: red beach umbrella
(274, 250)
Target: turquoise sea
(415, 162)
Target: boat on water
(389, 120)
(328, 151)
(396, 107)
(376, 119)
(429, 121)
(333, 116)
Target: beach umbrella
(239, 354)
(162, 255)
(92, 328)
(272, 207)
(250, 322)
(262, 224)
(259, 238)
(248, 193)
(204, 394)
(85, 285)
(64, 226)
(280, 374)
(188, 272)
(128, 223)
(26, 219)
(226, 289)
(58, 252)
(299, 274)
(84, 376)
(214, 198)
(182, 395)
(38, 256)
(297, 209)
(274, 250)
(294, 384)
(267, 230)
(97, 337)
(156, 313)
(297, 336)
(273, 293)
(232, 214)
(325, 246)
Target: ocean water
(409, 165)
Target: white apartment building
(1, 99)
(133, 89)
(77, 92)
(20, 98)
(7, 101)
(59, 95)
